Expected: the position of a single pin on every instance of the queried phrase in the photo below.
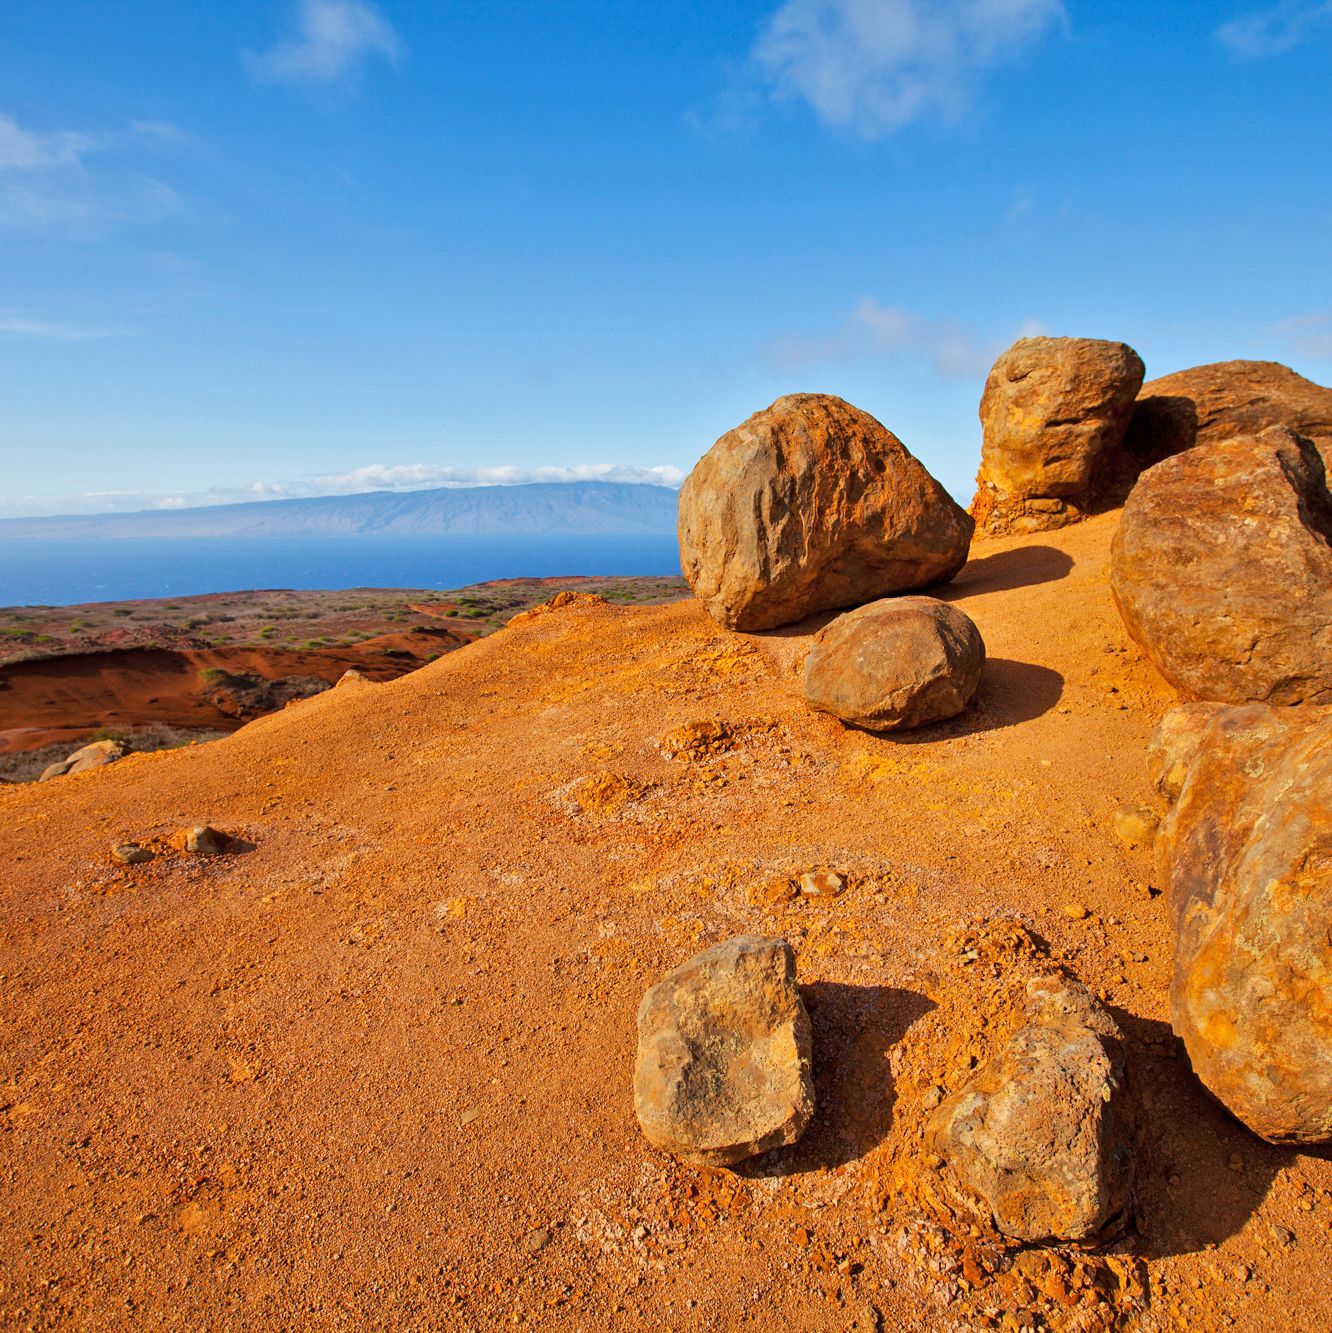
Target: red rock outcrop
(1222, 570)
(897, 663)
(1246, 855)
(1052, 410)
(811, 505)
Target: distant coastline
(592, 508)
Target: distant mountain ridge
(604, 508)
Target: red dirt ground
(376, 1071)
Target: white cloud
(1310, 335)
(26, 329)
(334, 39)
(376, 477)
(65, 183)
(1276, 30)
(28, 150)
(874, 66)
(890, 333)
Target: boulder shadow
(1201, 1174)
(1010, 692)
(1021, 567)
(855, 1029)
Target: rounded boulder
(1053, 409)
(812, 505)
(898, 663)
(724, 1068)
(1222, 570)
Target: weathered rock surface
(1174, 743)
(1246, 857)
(897, 663)
(94, 755)
(812, 505)
(1037, 1144)
(724, 1054)
(1214, 403)
(1052, 410)
(1222, 570)
(131, 853)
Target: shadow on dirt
(855, 1029)
(1201, 1175)
(1019, 568)
(1010, 692)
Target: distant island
(585, 508)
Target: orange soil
(65, 698)
(352, 1077)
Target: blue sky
(294, 246)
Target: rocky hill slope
(374, 1069)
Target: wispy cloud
(332, 42)
(874, 66)
(67, 183)
(874, 331)
(24, 328)
(1310, 335)
(1275, 30)
(376, 477)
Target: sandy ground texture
(375, 1072)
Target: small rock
(96, 755)
(1135, 825)
(1282, 1235)
(131, 854)
(1235, 1162)
(933, 1096)
(897, 663)
(537, 1241)
(205, 840)
(724, 1066)
(1077, 911)
(353, 676)
(1037, 1143)
(821, 884)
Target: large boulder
(897, 663)
(1053, 409)
(1214, 403)
(1222, 570)
(811, 505)
(1246, 857)
(1037, 1144)
(724, 1067)
(96, 754)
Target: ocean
(61, 572)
